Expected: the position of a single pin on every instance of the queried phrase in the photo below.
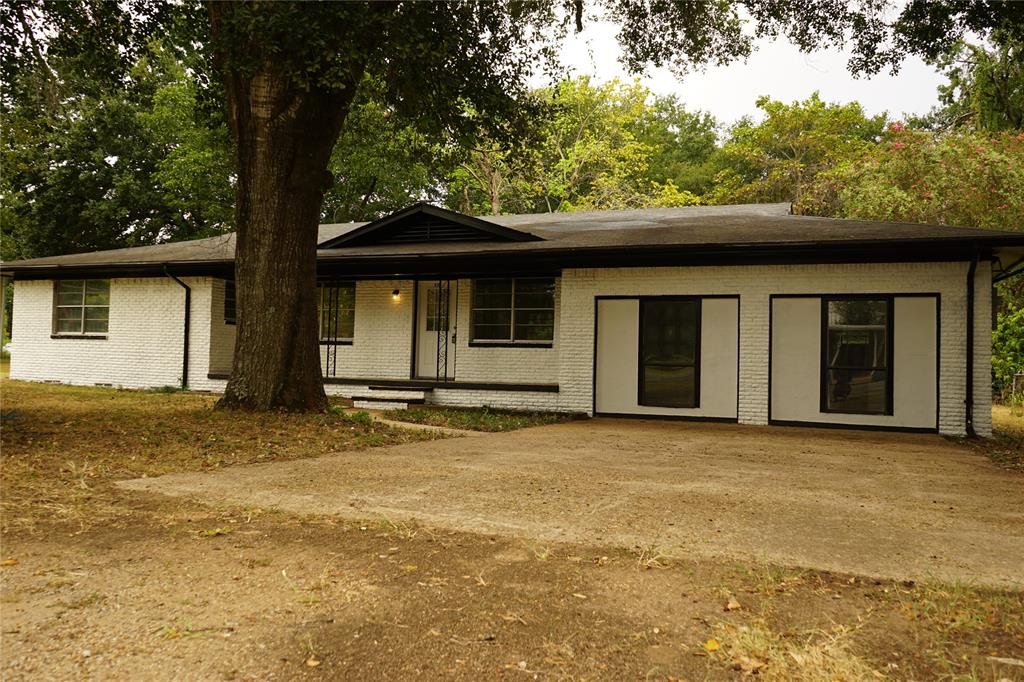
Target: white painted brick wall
(754, 284)
(382, 342)
(509, 365)
(143, 344)
(143, 348)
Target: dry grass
(477, 419)
(814, 656)
(1006, 448)
(63, 446)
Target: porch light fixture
(396, 295)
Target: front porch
(458, 341)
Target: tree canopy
(131, 122)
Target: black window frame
(640, 399)
(230, 302)
(511, 341)
(55, 332)
(321, 286)
(824, 367)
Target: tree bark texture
(284, 137)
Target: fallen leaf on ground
(712, 645)
(9, 562)
(749, 666)
(732, 604)
(312, 662)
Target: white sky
(776, 68)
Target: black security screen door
(669, 352)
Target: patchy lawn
(103, 583)
(477, 419)
(63, 446)
(1006, 447)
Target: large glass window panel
(670, 385)
(669, 352)
(513, 310)
(230, 302)
(857, 371)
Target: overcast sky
(776, 68)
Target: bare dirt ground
(99, 582)
(881, 505)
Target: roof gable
(422, 223)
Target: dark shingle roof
(760, 227)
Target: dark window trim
(823, 368)
(696, 353)
(54, 334)
(854, 427)
(634, 297)
(511, 342)
(336, 283)
(93, 337)
(426, 384)
(233, 317)
(839, 425)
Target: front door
(435, 347)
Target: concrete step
(403, 394)
(380, 405)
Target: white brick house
(736, 313)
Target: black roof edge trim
(554, 259)
(506, 233)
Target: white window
(81, 307)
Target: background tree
(683, 144)
(291, 73)
(607, 146)
(777, 159)
(984, 86)
(382, 162)
(97, 163)
(958, 178)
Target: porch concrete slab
(903, 506)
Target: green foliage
(958, 178)
(777, 159)
(683, 144)
(596, 148)
(133, 164)
(381, 162)
(1007, 349)
(985, 85)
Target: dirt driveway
(889, 505)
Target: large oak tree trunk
(284, 137)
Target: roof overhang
(1005, 251)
